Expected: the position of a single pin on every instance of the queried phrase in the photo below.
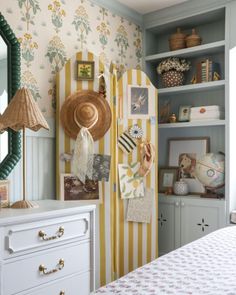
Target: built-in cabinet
(182, 220)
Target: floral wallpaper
(50, 32)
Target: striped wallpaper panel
(120, 246)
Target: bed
(206, 266)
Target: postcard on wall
(72, 189)
(141, 102)
(101, 167)
(140, 210)
(131, 184)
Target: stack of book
(207, 71)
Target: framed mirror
(10, 141)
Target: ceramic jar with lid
(180, 188)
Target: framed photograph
(72, 189)
(85, 70)
(139, 102)
(184, 113)
(184, 152)
(167, 177)
(4, 193)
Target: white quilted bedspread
(206, 266)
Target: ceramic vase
(172, 78)
(180, 188)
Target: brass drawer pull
(60, 266)
(62, 293)
(59, 234)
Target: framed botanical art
(72, 189)
(167, 177)
(85, 70)
(4, 193)
(184, 152)
(140, 104)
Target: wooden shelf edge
(192, 87)
(192, 124)
(201, 49)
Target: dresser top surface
(46, 209)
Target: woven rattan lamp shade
(23, 112)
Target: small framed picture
(85, 70)
(140, 105)
(184, 153)
(4, 193)
(167, 177)
(184, 113)
(72, 189)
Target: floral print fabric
(206, 266)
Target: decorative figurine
(172, 118)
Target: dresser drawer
(45, 267)
(76, 285)
(24, 237)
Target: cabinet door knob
(177, 204)
(182, 204)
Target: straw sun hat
(86, 108)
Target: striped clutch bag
(126, 143)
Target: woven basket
(172, 78)
(177, 40)
(193, 40)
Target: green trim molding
(13, 71)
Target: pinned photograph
(101, 167)
(139, 102)
(72, 189)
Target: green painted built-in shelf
(213, 85)
(201, 50)
(193, 124)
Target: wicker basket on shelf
(193, 40)
(177, 40)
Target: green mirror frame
(13, 77)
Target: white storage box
(206, 113)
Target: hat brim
(104, 113)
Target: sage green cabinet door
(168, 224)
(200, 217)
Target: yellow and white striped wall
(120, 246)
(136, 243)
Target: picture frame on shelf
(85, 70)
(184, 113)
(167, 178)
(72, 189)
(184, 153)
(140, 105)
(4, 193)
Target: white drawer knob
(177, 204)
(182, 204)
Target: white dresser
(48, 250)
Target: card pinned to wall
(101, 167)
(140, 210)
(131, 184)
(153, 120)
